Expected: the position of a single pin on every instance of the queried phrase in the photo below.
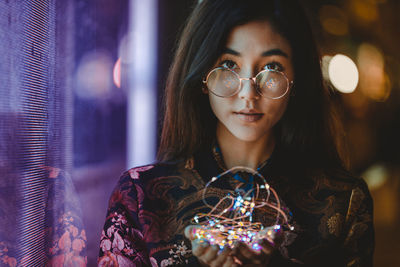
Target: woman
(223, 109)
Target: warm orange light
(117, 73)
(365, 11)
(333, 20)
(374, 82)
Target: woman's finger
(206, 253)
(247, 255)
(266, 247)
(210, 255)
(244, 254)
(222, 257)
(190, 232)
(229, 262)
(199, 247)
(273, 235)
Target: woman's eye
(274, 66)
(229, 64)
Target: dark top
(151, 206)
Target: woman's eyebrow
(274, 52)
(230, 51)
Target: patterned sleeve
(359, 241)
(354, 247)
(122, 240)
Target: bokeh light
(374, 82)
(343, 73)
(365, 11)
(376, 176)
(324, 66)
(94, 75)
(333, 20)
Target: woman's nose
(248, 90)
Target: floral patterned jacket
(151, 206)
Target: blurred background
(106, 72)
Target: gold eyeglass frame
(254, 79)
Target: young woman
(245, 89)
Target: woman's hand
(241, 255)
(248, 257)
(208, 255)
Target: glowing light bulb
(256, 246)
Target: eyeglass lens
(225, 83)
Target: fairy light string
(232, 218)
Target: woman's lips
(248, 117)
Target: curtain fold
(40, 216)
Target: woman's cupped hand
(240, 255)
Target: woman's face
(251, 48)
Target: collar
(217, 154)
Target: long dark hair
(304, 134)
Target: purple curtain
(40, 216)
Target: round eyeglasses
(224, 82)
